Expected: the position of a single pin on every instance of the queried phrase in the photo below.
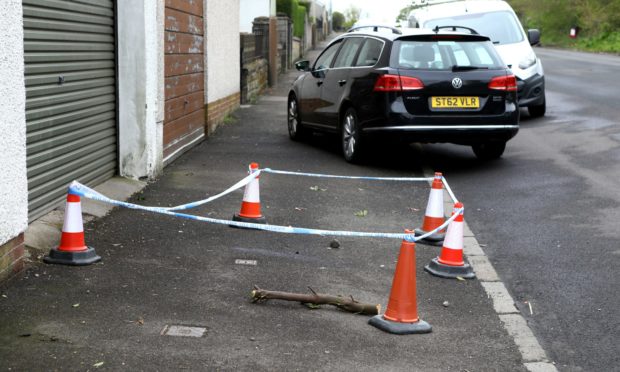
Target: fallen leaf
(140, 321)
(460, 278)
(312, 306)
(76, 305)
(361, 213)
(98, 364)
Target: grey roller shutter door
(70, 75)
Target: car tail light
(395, 83)
(507, 83)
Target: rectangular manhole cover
(183, 331)
(245, 262)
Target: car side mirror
(533, 36)
(303, 65)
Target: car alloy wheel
(295, 130)
(351, 138)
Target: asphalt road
(548, 211)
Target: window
(326, 58)
(444, 55)
(348, 51)
(369, 55)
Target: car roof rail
(376, 28)
(454, 28)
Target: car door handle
(342, 82)
(319, 83)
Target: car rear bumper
(459, 134)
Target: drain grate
(183, 331)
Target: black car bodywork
(410, 88)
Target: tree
(338, 21)
(352, 15)
(404, 13)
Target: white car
(497, 20)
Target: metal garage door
(69, 48)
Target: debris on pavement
(315, 299)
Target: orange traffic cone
(434, 216)
(250, 207)
(401, 314)
(450, 263)
(72, 249)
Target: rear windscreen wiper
(466, 68)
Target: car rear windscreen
(445, 55)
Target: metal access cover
(183, 331)
(245, 262)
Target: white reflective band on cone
(454, 236)
(252, 192)
(73, 218)
(434, 208)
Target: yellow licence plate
(455, 102)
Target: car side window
(326, 58)
(348, 52)
(369, 55)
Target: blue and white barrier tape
(406, 179)
(249, 178)
(77, 188)
(449, 190)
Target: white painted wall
(250, 9)
(141, 87)
(13, 180)
(223, 70)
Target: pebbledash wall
(141, 100)
(13, 181)
(222, 61)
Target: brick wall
(217, 110)
(184, 76)
(12, 257)
(254, 79)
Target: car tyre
(489, 150)
(537, 111)
(296, 131)
(352, 142)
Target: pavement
(159, 272)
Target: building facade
(98, 89)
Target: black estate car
(416, 85)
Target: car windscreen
(502, 27)
(445, 55)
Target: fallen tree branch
(347, 304)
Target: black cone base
(398, 328)
(239, 218)
(452, 272)
(80, 258)
(433, 239)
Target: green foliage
(285, 6)
(352, 14)
(299, 20)
(598, 22)
(337, 21)
(296, 12)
